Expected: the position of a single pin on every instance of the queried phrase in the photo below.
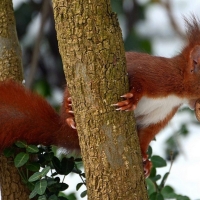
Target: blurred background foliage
(42, 62)
(29, 15)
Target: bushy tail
(27, 116)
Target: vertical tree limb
(92, 51)
(10, 67)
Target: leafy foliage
(157, 189)
(40, 170)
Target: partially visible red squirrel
(158, 87)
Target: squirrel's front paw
(128, 104)
(147, 166)
(68, 109)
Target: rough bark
(10, 67)
(11, 186)
(92, 51)
(10, 52)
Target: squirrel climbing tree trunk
(93, 56)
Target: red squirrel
(158, 87)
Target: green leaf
(57, 179)
(64, 167)
(153, 196)
(53, 189)
(84, 193)
(43, 197)
(45, 171)
(167, 189)
(156, 178)
(41, 186)
(162, 184)
(78, 186)
(156, 196)
(30, 185)
(151, 186)
(42, 87)
(150, 151)
(34, 167)
(153, 172)
(67, 165)
(33, 194)
(76, 170)
(21, 144)
(159, 197)
(36, 176)
(158, 161)
(168, 192)
(51, 182)
(180, 197)
(32, 149)
(21, 159)
(184, 131)
(63, 186)
(8, 152)
(56, 164)
(48, 156)
(53, 197)
(57, 187)
(63, 198)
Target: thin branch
(168, 7)
(36, 50)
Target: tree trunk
(10, 67)
(92, 51)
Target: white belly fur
(155, 110)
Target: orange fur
(27, 116)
